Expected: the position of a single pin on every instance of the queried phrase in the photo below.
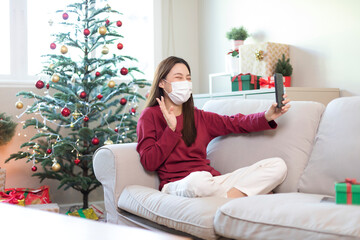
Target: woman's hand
(274, 112)
(168, 115)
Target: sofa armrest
(117, 166)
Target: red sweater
(164, 151)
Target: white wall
(323, 36)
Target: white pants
(259, 178)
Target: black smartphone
(279, 89)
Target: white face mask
(181, 91)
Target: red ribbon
(349, 183)
(231, 52)
(13, 197)
(253, 80)
(268, 82)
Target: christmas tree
(83, 107)
(283, 66)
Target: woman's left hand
(274, 112)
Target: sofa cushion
(336, 153)
(190, 215)
(292, 140)
(287, 216)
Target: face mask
(181, 91)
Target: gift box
(100, 213)
(269, 82)
(32, 196)
(244, 82)
(2, 179)
(12, 198)
(50, 207)
(231, 64)
(347, 192)
(88, 213)
(260, 59)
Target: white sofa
(320, 146)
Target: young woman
(173, 136)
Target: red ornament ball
(34, 168)
(47, 86)
(65, 16)
(39, 84)
(86, 119)
(65, 112)
(119, 23)
(116, 130)
(98, 74)
(123, 101)
(95, 141)
(86, 32)
(49, 151)
(107, 22)
(53, 46)
(99, 96)
(120, 46)
(132, 110)
(124, 71)
(77, 161)
(82, 94)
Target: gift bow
(13, 197)
(268, 82)
(349, 182)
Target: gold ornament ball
(55, 78)
(19, 105)
(64, 49)
(51, 66)
(102, 30)
(111, 84)
(56, 167)
(108, 142)
(105, 50)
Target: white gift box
(260, 59)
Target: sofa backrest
(336, 153)
(292, 140)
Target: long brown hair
(189, 132)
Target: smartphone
(279, 89)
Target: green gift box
(244, 82)
(348, 192)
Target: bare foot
(235, 193)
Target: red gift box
(270, 82)
(12, 198)
(32, 196)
